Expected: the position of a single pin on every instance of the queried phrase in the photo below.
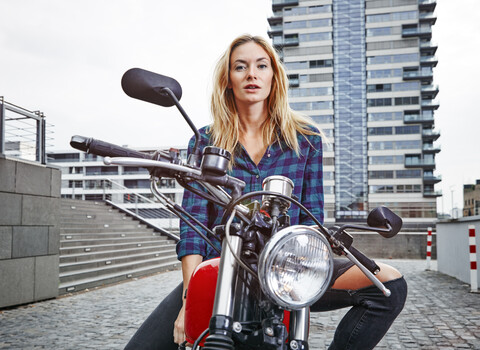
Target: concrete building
(86, 177)
(471, 199)
(363, 70)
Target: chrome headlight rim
(268, 256)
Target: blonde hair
(225, 129)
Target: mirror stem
(195, 157)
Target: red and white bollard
(473, 258)
(429, 248)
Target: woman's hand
(179, 327)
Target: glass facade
(350, 109)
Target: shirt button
(257, 176)
(268, 155)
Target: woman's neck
(251, 135)
(252, 118)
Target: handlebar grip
(370, 264)
(104, 149)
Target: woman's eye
(240, 68)
(262, 66)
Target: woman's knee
(396, 301)
(354, 278)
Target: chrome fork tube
(300, 324)
(227, 270)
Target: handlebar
(104, 149)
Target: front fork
(299, 329)
(221, 323)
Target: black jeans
(362, 327)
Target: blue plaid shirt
(305, 170)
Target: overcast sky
(66, 59)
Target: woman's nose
(252, 74)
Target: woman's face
(250, 74)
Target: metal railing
(22, 132)
(145, 209)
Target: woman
(252, 120)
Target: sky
(66, 59)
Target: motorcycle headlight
(295, 268)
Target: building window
(376, 160)
(408, 129)
(322, 119)
(384, 116)
(307, 92)
(379, 31)
(316, 36)
(408, 174)
(411, 100)
(386, 130)
(387, 59)
(394, 16)
(311, 106)
(379, 102)
(381, 189)
(384, 73)
(379, 87)
(320, 63)
(328, 161)
(381, 174)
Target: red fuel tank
(200, 298)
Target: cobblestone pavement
(440, 313)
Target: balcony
(276, 29)
(424, 74)
(422, 32)
(429, 60)
(285, 42)
(427, 5)
(431, 194)
(430, 104)
(431, 179)
(279, 4)
(275, 19)
(429, 91)
(427, 17)
(416, 117)
(427, 47)
(430, 134)
(413, 162)
(293, 81)
(428, 148)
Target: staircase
(100, 245)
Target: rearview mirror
(382, 217)
(148, 86)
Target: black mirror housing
(382, 217)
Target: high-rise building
(363, 70)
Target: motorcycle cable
(205, 238)
(209, 198)
(237, 258)
(199, 339)
(237, 201)
(178, 211)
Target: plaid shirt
(304, 170)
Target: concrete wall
(409, 245)
(29, 231)
(453, 247)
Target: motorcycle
(257, 294)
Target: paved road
(440, 313)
